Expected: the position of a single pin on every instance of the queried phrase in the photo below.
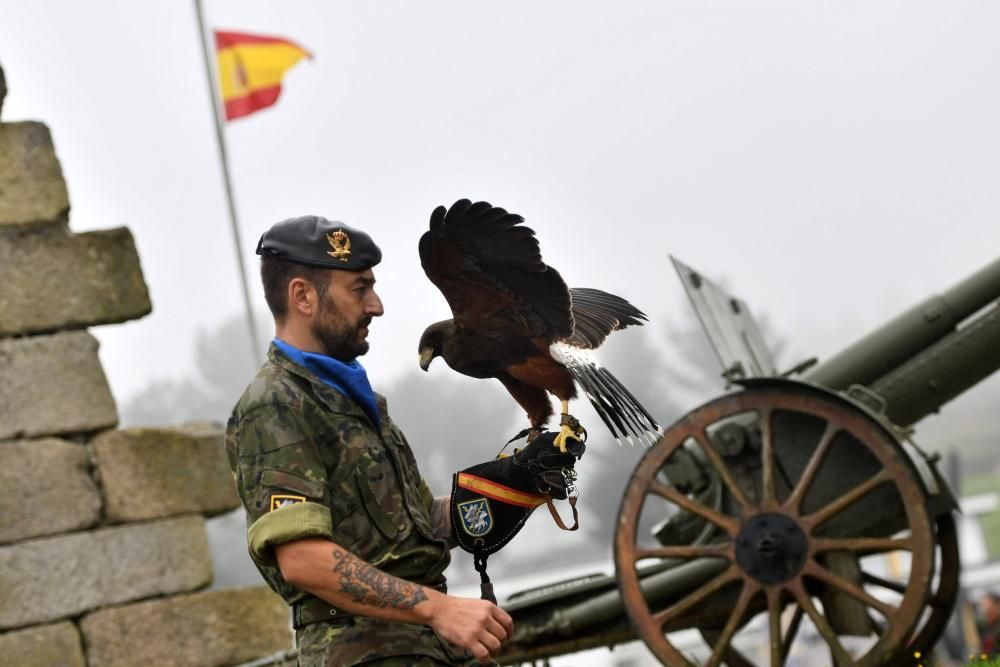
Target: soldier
(341, 524)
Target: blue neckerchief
(350, 379)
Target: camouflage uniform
(308, 462)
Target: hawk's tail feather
(609, 389)
(620, 411)
(628, 408)
(642, 417)
(602, 407)
(644, 427)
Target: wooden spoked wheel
(841, 486)
(938, 609)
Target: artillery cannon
(788, 502)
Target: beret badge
(341, 244)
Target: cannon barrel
(577, 622)
(893, 344)
(921, 385)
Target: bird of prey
(516, 320)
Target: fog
(831, 163)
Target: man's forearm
(336, 575)
(441, 520)
(369, 586)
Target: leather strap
(313, 610)
(558, 519)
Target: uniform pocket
(373, 507)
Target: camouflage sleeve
(282, 482)
(426, 496)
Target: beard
(339, 338)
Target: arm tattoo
(370, 586)
(441, 520)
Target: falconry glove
(491, 501)
(553, 471)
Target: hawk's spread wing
(490, 270)
(596, 314)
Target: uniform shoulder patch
(477, 518)
(279, 500)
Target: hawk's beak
(426, 357)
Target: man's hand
(478, 626)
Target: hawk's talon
(569, 429)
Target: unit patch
(477, 519)
(283, 500)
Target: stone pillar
(102, 543)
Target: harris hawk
(516, 320)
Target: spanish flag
(250, 69)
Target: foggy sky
(831, 162)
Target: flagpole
(230, 200)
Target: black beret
(316, 241)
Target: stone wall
(104, 557)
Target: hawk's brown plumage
(510, 308)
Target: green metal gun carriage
(788, 499)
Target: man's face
(345, 310)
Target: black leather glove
(552, 471)
(491, 501)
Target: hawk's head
(432, 341)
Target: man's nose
(374, 306)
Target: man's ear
(302, 297)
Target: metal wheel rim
(942, 600)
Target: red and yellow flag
(251, 68)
